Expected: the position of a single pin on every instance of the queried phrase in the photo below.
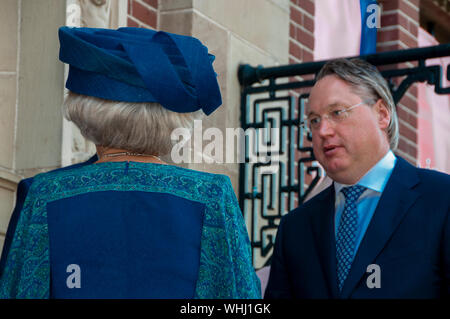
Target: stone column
(31, 92)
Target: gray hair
(136, 127)
(368, 83)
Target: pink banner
(337, 30)
(433, 116)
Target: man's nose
(326, 127)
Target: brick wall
(143, 14)
(301, 31)
(399, 31)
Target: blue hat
(140, 65)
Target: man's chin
(334, 165)
(336, 170)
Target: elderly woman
(125, 224)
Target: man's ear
(383, 114)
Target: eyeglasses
(335, 116)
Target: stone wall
(31, 93)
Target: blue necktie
(346, 235)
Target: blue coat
(128, 230)
(408, 238)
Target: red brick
(409, 10)
(153, 3)
(415, 2)
(307, 56)
(412, 150)
(387, 35)
(308, 23)
(411, 95)
(296, 16)
(409, 103)
(407, 133)
(132, 23)
(396, 34)
(144, 14)
(305, 38)
(392, 47)
(307, 5)
(394, 19)
(413, 90)
(292, 31)
(402, 145)
(408, 148)
(295, 50)
(413, 29)
(406, 116)
(390, 4)
(389, 19)
(401, 5)
(407, 39)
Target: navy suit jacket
(21, 195)
(408, 238)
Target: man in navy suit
(382, 229)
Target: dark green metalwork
(275, 107)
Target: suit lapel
(322, 222)
(395, 201)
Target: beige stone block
(6, 206)
(175, 4)
(176, 22)
(217, 40)
(263, 23)
(8, 35)
(242, 52)
(9, 180)
(41, 84)
(7, 118)
(283, 4)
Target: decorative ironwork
(269, 189)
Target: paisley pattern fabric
(225, 259)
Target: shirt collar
(377, 177)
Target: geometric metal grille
(279, 170)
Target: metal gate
(279, 169)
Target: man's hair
(368, 83)
(136, 127)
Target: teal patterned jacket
(225, 269)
